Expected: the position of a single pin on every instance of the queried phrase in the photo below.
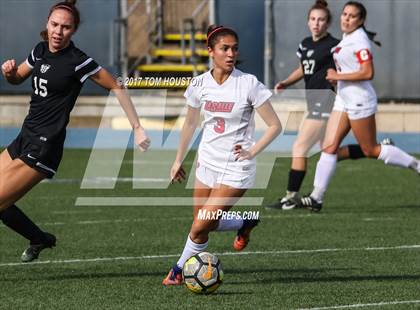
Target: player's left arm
(106, 80)
(269, 116)
(365, 72)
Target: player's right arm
(191, 122)
(15, 74)
(294, 77)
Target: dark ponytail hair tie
(371, 35)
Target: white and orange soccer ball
(203, 273)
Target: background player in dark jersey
(58, 70)
(315, 55)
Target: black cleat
(32, 252)
(309, 203)
(285, 204)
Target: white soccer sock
(392, 155)
(191, 248)
(325, 169)
(227, 225)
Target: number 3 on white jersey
(40, 89)
(220, 125)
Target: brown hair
(321, 5)
(215, 31)
(70, 6)
(363, 14)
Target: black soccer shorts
(320, 103)
(40, 156)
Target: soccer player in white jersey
(355, 104)
(58, 71)
(315, 58)
(226, 155)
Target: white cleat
(387, 141)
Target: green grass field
(363, 248)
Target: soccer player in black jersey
(58, 71)
(315, 55)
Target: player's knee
(200, 229)
(300, 149)
(199, 236)
(370, 151)
(330, 147)
(3, 199)
(4, 203)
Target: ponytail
(371, 35)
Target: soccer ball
(203, 273)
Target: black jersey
(316, 58)
(57, 79)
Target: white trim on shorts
(212, 178)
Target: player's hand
(332, 76)
(280, 86)
(141, 139)
(9, 68)
(242, 154)
(178, 173)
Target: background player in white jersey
(315, 55)
(58, 71)
(226, 155)
(355, 104)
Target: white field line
(68, 212)
(158, 162)
(156, 201)
(94, 222)
(375, 219)
(376, 304)
(180, 218)
(276, 252)
(104, 180)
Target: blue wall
(397, 22)
(21, 22)
(247, 18)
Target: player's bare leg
(208, 200)
(16, 179)
(200, 196)
(365, 132)
(222, 198)
(12, 216)
(310, 132)
(337, 128)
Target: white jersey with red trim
(228, 118)
(349, 54)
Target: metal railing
(188, 27)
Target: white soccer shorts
(355, 112)
(213, 178)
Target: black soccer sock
(295, 180)
(16, 220)
(355, 151)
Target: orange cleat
(174, 277)
(242, 238)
